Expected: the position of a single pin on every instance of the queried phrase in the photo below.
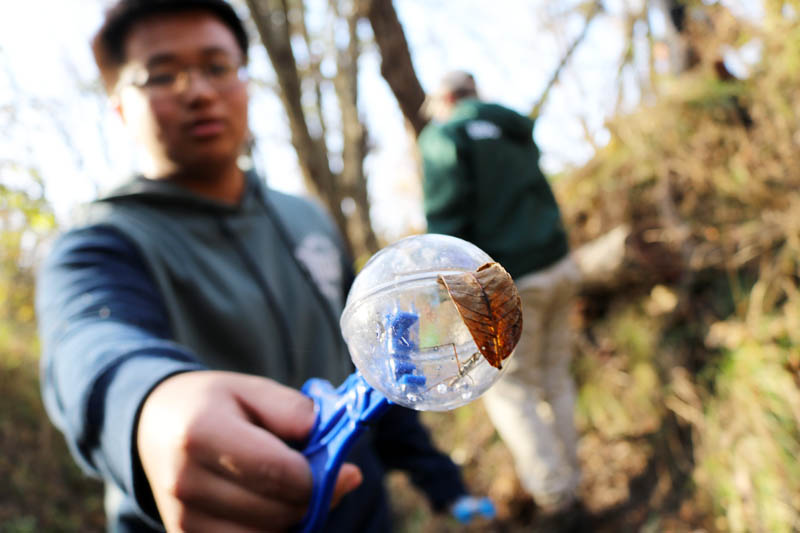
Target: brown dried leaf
(489, 305)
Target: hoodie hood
(272, 265)
(166, 192)
(513, 125)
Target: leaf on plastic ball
(489, 305)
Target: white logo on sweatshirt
(321, 257)
(481, 129)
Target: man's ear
(116, 105)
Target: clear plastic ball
(404, 332)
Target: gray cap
(458, 82)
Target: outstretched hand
(213, 447)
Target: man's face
(200, 121)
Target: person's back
(509, 210)
(482, 182)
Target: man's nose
(193, 82)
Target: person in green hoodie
(182, 311)
(482, 183)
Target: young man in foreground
(182, 313)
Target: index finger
(284, 411)
(256, 459)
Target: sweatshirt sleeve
(106, 345)
(447, 187)
(404, 443)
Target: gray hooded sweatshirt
(155, 280)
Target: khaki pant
(532, 406)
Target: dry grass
(42, 488)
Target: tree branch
(596, 8)
(396, 66)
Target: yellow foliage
(707, 326)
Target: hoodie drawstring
(280, 318)
(330, 314)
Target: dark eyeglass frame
(221, 76)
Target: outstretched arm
(105, 336)
(126, 396)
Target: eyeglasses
(171, 80)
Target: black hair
(466, 92)
(108, 44)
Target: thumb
(349, 479)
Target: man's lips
(207, 127)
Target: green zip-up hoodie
(482, 183)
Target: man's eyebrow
(168, 57)
(160, 59)
(217, 50)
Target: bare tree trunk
(354, 135)
(314, 72)
(396, 66)
(272, 19)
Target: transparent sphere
(404, 332)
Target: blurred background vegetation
(688, 353)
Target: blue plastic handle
(342, 416)
(344, 413)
